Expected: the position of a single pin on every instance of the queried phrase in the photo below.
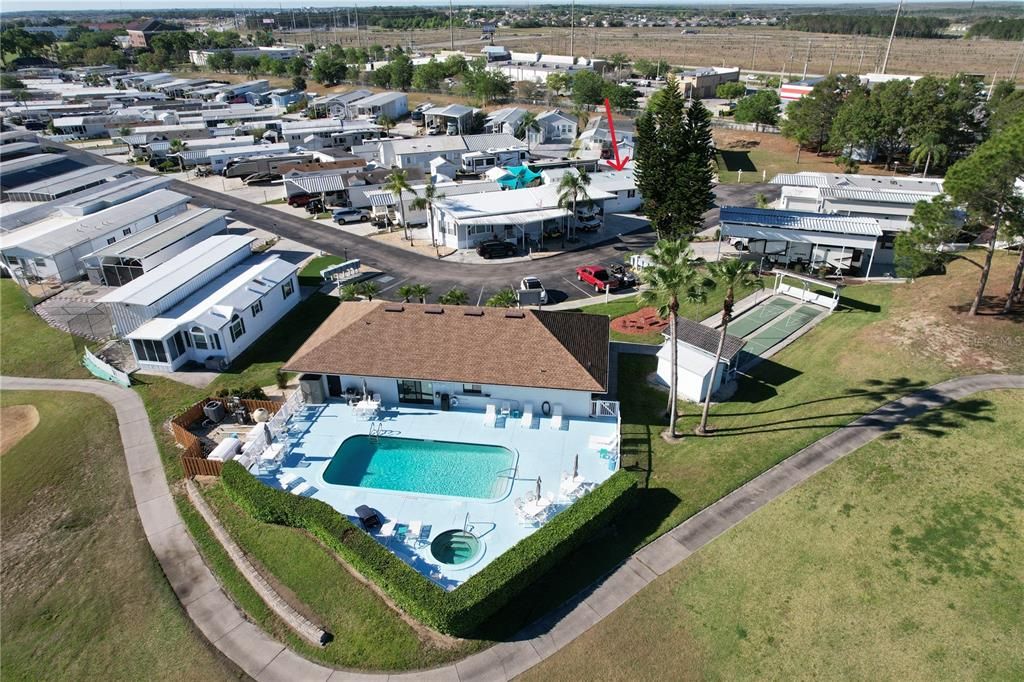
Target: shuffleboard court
(779, 330)
(761, 315)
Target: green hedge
(462, 611)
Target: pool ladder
(376, 431)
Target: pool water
(455, 547)
(422, 466)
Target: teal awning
(518, 177)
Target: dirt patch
(16, 422)
(643, 321)
(397, 238)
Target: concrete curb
(264, 658)
(295, 620)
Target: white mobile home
(394, 105)
(620, 184)
(54, 247)
(125, 260)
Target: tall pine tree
(674, 151)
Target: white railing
(604, 408)
(280, 418)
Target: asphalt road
(401, 266)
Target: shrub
(462, 611)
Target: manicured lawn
(83, 596)
(367, 633)
(310, 274)
(902, 561)
(693, 311)
(28, 346)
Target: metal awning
(853, 241)
(381, 197)
(525, 218)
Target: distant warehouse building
(201, 57)
(702, 83)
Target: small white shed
(695, 360)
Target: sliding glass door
(418, 392)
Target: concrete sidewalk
(264, 658)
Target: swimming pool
(422, 466)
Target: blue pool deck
(318, 431)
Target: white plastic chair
(527, 421)
(490, 415)
(556, 417)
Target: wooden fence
(193, 459)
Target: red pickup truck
(598, 277)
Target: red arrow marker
(618, 164)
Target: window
(288, 288)
(237, 327)
(126, 231)
(199, 338)
(630, 193)
(256, 308)
(177, 345)
(147, 350)
(11, 260)
(215, 341)
(40, 262)
(472, 389)
(110, 240)
(421, 392)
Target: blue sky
(147, 5)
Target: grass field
(51, 353)
(367, 634)
(83, 595)
(903, 561)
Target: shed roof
(706, 339)
(534, 348)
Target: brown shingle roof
(706, 338)
(541, 348)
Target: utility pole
(572, 29)
(807, 59)
(359, 41)
(1016, 64)
(832, 63)
(451, 24)
(892, 35)
(753, 53)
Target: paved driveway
(406, 267)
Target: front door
(416, 392)
(334, 386)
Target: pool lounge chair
(556, 417)
(506, 408)
(368, 517)
(527, 421)
(303, 488)
(490, 415)
(288, 479)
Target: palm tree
(124, 131)
(398, 183)
(406, 291)
(582, 116)
(729, 273)
(454, 296)
(386, 123)
(571, 189)
(528, 123)
(420, 291)
(430, 197)
(349, 292)
(930, 148)
(672, 277)
(506, 298)
(177, 147)
(367, 290)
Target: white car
(533, 285)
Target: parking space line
(481, 296)
(393, 284)
(587, 293)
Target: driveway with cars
(479, 280)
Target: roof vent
(394, 308)
(433, 310)
(473, 312)
(517, 314)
